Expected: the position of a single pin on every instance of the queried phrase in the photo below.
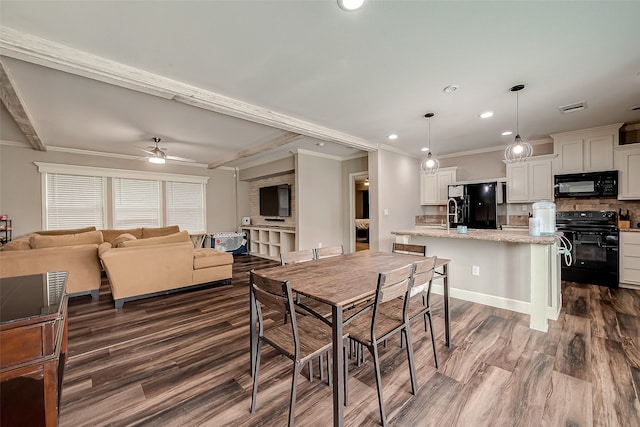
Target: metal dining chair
(410, 249)
(418, 299)
(329, 251)
(295, 257)
(370, 328)
(301, 339)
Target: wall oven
(594, 239)
(589, 184)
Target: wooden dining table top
(344, 279)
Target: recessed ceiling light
(424, 149)
(393, 136)
(506, 133)
(486, 114)
(350, 5)
(451, 88)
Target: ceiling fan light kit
(519, 150)
(157, 160)
(351, 5)
(430, 165)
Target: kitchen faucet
(455, 211)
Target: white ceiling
(357, 76)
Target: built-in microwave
(588, 184)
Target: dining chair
(370, 328)
(309, 305)
(418, 299)
(329, 251)
(301, 339)
(410, 249)
(295, 257)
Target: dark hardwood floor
(183, 360)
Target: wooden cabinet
(627, 161)
(270, 242)
(33, 348)
(630, 258)
(585, 150)
(434, 188)
(530, 181)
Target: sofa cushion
(90, 237)
(104, 247)
(160, 231)
(206, 257)
(124, 237)
(20, 244)
(110, 235)
(180, 237)
(63, 232)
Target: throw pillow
(161, 231)
(180, 237)
(90, 237)
(124, 237)
(62, 232)
(110, 235)
(20, 244)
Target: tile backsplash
(602, 205)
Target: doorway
(359, 207)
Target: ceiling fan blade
(146, 151)
(181, 159)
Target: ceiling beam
(258, 148)
(13, 102)
(36, 50)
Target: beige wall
(21, 194)
(396, 189)
(319, 205)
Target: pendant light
(430, 165)
(518, 151)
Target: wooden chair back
(405, 248)
(395, 283)
(295, 257)
(423, 276)
(329, 251)
(275, 295)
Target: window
(136, 203)
(185, 205)
(74, 201)
(76, 196)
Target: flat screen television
(275, 200)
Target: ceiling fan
(159, 156)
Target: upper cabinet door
(627, 161)
(585, 150)
(434, 188)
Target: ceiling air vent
(576, 106)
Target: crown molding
(44, 167)
(492, 149)
(36, 50)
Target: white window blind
(136, 203)
(185, 206)
(74, 201)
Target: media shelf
(6, 231)
(268, 242)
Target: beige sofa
(139, 268)
(77, 252)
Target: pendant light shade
(430, 165)
(518, 151)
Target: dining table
(341, 282)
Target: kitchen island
(507, 269)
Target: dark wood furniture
(33, 347)
(341, 282)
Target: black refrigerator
(477, 205)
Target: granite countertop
(511, 236)
(630, 230)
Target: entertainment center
(270, 242)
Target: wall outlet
(319, 244)
(475, 270)
(441, 208)
(386, 212)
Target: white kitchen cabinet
(434, 188)
(627, 161)
(585, 150)
(630, 259)
(530, 181)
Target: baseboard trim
(490, 300)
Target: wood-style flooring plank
(574, 350)
(569, 402)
